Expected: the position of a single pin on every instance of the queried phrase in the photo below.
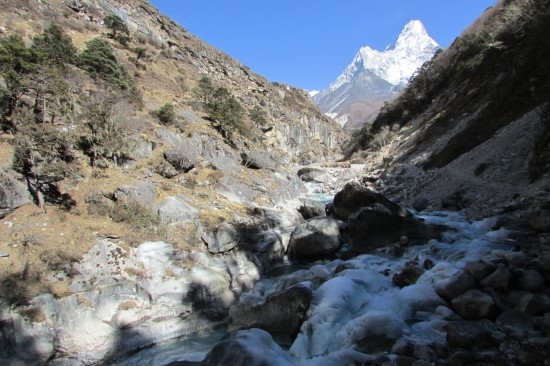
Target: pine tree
(119, 30)
(54, 47)
(99, 60)
(16, 64)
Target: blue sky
(308, 43)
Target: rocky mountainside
(373, 77)
(119, 127)
(470, 132)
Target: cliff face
(473, 118)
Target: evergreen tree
(258, 116)
(43, 156)
(103, 139)
(119, 30)
(16, 64)
(54, 47)
(166, 114)
(222, 107)
(99, 60)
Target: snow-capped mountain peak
(372, 70)
(409, 36)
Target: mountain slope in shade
(375, 76)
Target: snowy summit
(374, 76)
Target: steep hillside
(374, 77)
(472, 126)
(132, 121)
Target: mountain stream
(359, 298)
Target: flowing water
(357, 296)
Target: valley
(161, 203)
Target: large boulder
(355, 196)
(375, 227)
(144, 194)
(408, 276)
(282, 312)
(315, 238)
(454, 286)
(474, 304)
(534, 304)
(176, 210)
(311, 208)
(13, 193)
(182, 156)
(470, 334)
(258, 160)
(310, 174)
(479, 269)
(221, 239)
(499, 279)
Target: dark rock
(404, 360)
(515, 296)
(479, 269)
(428, 264)
(531, 280)
(355, 196)
(403, 347)
(501, 299)
(374, 343)
(473, 304)
(408, 276)
(375, 227)
(221, 239)
(531, 351)
(315, 238)
(310, 209)
(534, 304)
(308, 174)
(545, 324)
(424, 352)
(463, 357)
(470, 334)
(284, 270)
(282, 313)
(258, 160)
(499, 279)
(540, 220)
(517, 320)
(455, 286)
(420, 204)
(144, 194)
(456, 201)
